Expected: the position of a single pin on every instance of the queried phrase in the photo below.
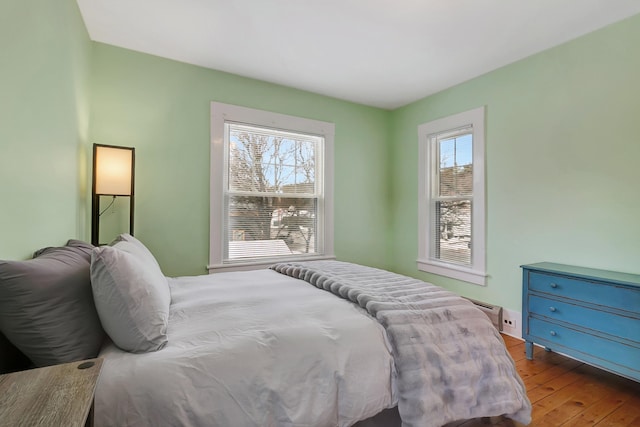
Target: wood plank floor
(568, 393)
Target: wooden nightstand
(60, 395)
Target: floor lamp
(113, 175)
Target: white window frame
(476, 272)
(221, 113)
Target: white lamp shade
(113, 170)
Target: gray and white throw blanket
(451, 362)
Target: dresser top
(586, 273)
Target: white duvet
(251, 349)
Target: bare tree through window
(272, 187)
(453, 199)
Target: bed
(321, 343)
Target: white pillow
(132, 297)
(130, 244)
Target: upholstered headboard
(11, 359)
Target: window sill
(454, 272)
(259, 265)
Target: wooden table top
(59, 395)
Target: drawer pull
(554, 285)
(553, 333)
(553, 309)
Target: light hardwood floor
(568, 393)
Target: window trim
(476, 272)
(221, 113)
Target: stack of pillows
(57, 307)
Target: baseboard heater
(493, 312)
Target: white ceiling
(382, 53)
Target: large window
(451, 205)
(271, 188)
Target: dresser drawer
(609, 354)
(609, 323)
(584, 290)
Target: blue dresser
(591, 315)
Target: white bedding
(251, 349)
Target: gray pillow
(46, 305)
(132, 297)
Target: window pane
(455, 173)
(452, 231)
(271, 226)
(267, 161)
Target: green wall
(44, 116)
(562, 162)
(562, 150)
(162, 108)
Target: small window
(451, 205)
(271, 189)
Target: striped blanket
(451, 362)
